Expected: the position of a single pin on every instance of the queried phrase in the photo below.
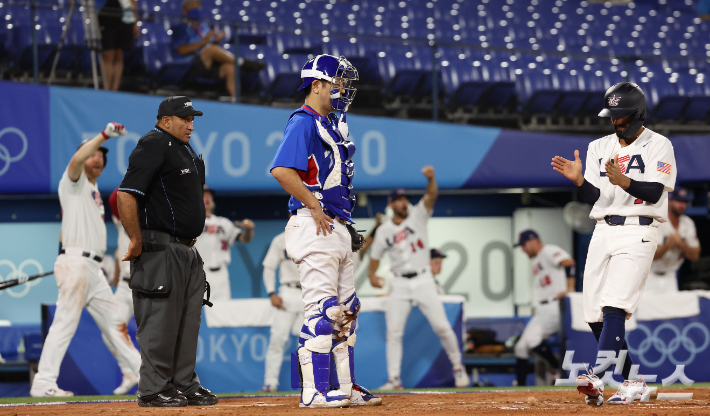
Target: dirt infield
(555, 402)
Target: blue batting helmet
(335, 70)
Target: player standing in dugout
(314, 165)
(627, 180)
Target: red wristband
(104, 134)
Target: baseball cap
(177, 105)
(103, 149)
(206, 188)
(396, 194)
(526, 236)
(436, 254)
(681, 194)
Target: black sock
(521, 370)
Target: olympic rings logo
(18, 272)
(5, 152)
(653, 340)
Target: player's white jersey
(650, 158)
(82, 214)
(549, 278)
(275, 258)
(407, 243)
(215, 241)
(673, 258)
(123, 241)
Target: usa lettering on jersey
(399, 237)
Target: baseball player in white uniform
(288, 304)
(627, 179)
(553, 277)
(677, 241)
(405, 239)
(215, 246)
(77, 269)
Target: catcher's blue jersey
(315, 147)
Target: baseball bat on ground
(23, 279)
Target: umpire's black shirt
(166, 176)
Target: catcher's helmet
(624, 99)
(328, 68)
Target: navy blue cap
(436, 254)
(681, 194)
(396, 194)
(526, 236)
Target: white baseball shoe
(334, 398)
(126, 385)
(51, 392)
(461, 378)
(591, 386)
(392, 384)
(629, 391)
(362, 397)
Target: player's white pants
(419, 291)
(220, 288)
(658, 284)
(285, 322)
(543, 324)
(325, 263)
(81, 285)
(618, 262)
(124, 300)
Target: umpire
(161, 207)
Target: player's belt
(294, 285)
(215, 269)
(410, 275)
(621, 220)
(659, 273)
(83, 253)
(127, 279)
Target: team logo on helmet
(614, 101)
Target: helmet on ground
(624, 99)
(338, 71)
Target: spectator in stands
(677, 241)
(118, 21)
(195, 41)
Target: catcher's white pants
(618, 262)
(543, 324)
(325, 263)
(285, 322)
(220, 288)
(81, 285)
(419, 291)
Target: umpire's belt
(152, 238)
(79, 252)
(620, 220)
(294, 285)
(410, 275)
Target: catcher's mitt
(357, 239)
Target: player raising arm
(627, 179)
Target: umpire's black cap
(177, 105)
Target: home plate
(674, 396)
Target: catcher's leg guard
(344, 339)
(310, 364)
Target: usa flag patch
(664, 167)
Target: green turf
(17, 400)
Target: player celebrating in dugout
(314, 165)
(627, 180)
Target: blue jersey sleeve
(297, 144)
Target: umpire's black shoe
(168, 398)
(202, 397)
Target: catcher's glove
(357, 239)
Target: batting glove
(113, 130)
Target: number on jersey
(419, 244)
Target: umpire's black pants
(169, 323)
